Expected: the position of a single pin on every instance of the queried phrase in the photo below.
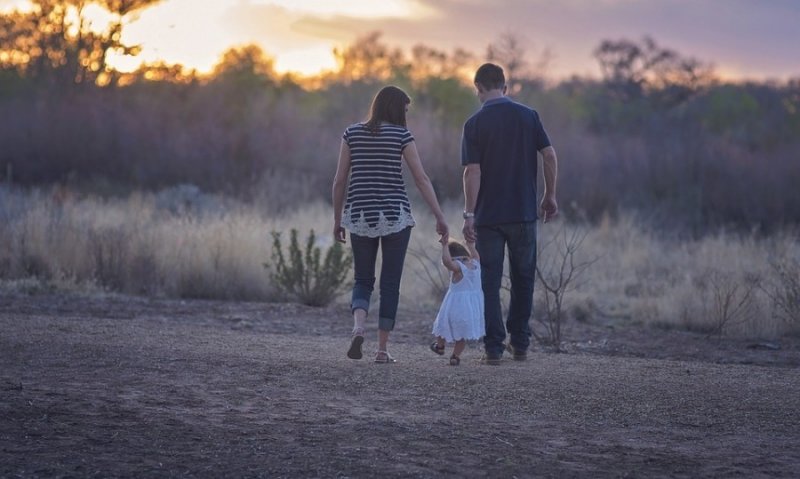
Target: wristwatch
(469, 214)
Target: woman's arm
(338, 190)
(423, 182)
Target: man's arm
(472, 185)
(549, 205)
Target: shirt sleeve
(406, 139)
(346, 136)
(469, 147)
(542, 140)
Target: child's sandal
(437, 349)
(455, 360)
(383, 357)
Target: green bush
(303, 277)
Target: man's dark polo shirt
(504, 137)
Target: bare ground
(114, 386)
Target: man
(499, 152)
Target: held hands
(469, 230)
(442, 230)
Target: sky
(753, 39)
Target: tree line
(658, 134)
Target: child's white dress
(461, 313)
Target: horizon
(301, 35)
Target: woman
(377, 211)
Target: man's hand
(549, 208)
(469, 230)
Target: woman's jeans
(491, 244)
(393, 254)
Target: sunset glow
(308, 61)
(300, 35)
(196, 32)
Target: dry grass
(671, 284)
(182, 243)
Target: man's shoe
(491, 359)
(517, 354)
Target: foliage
(302, 276)
(430, 272)
(784, 291)
(657, 135)
(727, 298)
(631, 68)
(55, 43)
(367, 58)
(557, 271)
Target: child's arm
(447, 260)
(473, 253)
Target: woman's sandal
(455, 360)
(355, 344)
(383, 357)
(437, 349)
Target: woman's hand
(442, 230)
(338, 233)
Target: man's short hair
(490, 77)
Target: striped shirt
(377, 203)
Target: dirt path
(121, 387)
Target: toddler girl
(461, 314)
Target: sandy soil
(113, 386)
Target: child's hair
(457, 249)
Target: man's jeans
(491, 244)
(393, 255)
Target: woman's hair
(389, 106)
(490, 77)
(457, 249)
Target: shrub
(303, 277)
(731, 298)
(557, 271)
(784, 291)
(431, 272)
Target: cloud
(751, 36)
(273, 26)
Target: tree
(429, 63)
(246, 67)
(55, 43)
(510, 52)
(369, 59)
(632, 69)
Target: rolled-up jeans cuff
(386, 324)
(359, 304)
